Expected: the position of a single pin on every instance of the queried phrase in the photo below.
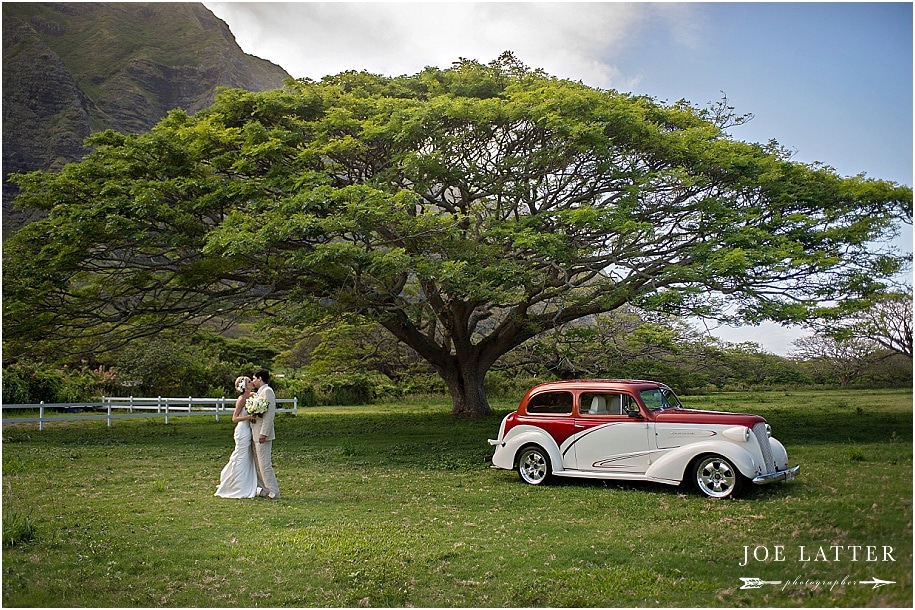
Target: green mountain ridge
(71, 69)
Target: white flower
(256, 405)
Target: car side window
(606, 404)
(659, 398)
(553, 403)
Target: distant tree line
(355, 361)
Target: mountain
(71, 69)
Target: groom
(262, 438)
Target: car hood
(696, 416)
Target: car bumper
(494, 441)
(774, 477)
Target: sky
(830, 81)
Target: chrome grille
(760, 431)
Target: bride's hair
(240, 383)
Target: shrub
(339, 389)
(31, 383)
(347, 389)
(500, 384)
(16, 388)
(301, 389)
(167, 367)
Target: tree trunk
(468, 397)
(463, 371)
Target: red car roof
(596, 384)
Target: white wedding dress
(239, 477)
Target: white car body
(572, 433)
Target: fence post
(190, 404)
(131, 405)
(159, 404)
(109, 413)
(41, 415)
(295, 405)
(218, 403)
(166, 410)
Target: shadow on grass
(839, 426)
(748, 492)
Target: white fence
(114, 407)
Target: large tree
(835, 359)
(887, 321)
(467, 210)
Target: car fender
(673, 464)
(779, 454)
(518, 437)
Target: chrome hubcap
(533, 467)
(716, 477)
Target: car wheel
(533, 465)
(716, 477)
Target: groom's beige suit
(263, 452)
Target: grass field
(395, 505)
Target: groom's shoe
(265, 493)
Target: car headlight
(768, 430)
(741, 434)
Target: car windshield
(660, 398)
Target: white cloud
(570, 40)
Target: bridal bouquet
(256, 405)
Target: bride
(239, 477)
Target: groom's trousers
(263, 462)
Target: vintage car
(636, 431)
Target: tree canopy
(466, 210)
